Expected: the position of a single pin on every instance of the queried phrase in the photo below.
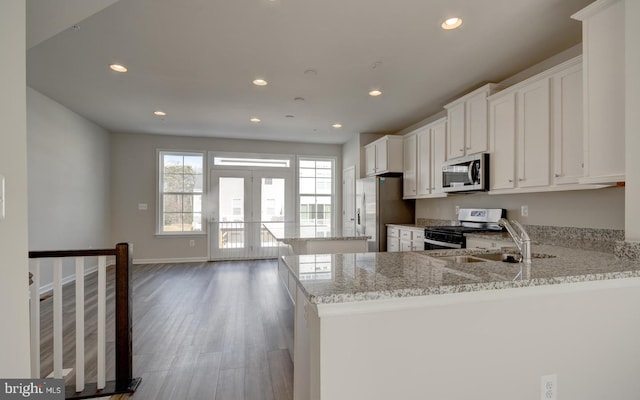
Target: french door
(240, 201)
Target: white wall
(601, 208)
(632, 65)
(14, 299)
(133, 181)
(494, 344)
(68, 158)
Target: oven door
(430, 244)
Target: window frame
(333, 196)
(160, 153)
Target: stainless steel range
(470, 220)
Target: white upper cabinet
(535, 131)
(567, 124)
(424, 153)
(520, 136)
(439, 146)
(603, 35)
(533, 137)
(384, 155)
(409, 173)
(502, 128)
(467, 123)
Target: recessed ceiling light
(375, 93)
(160, 113)
(311, 71)
(451, 23)
(254, 119)
(337, 125)
(260, 82)
(289, 116)
(298, 99)
(118, 67)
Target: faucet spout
(521, 238)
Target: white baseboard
(168, 260)
(69, 278)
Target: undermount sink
(504, 257)
(509, 257)
(461, 259)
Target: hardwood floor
(213, 330)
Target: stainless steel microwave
(464, 174)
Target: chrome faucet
(522, 240)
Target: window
(181, 183)
(316, 196)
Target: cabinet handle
(468, 148)
(520, 179)
(558, 175)
(461, 150)
(510, 180)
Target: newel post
(124, 334)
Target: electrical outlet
(524, 211)
(549, 387)
(457, 210)
(142, 206)
(192, 243)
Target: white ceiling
(195, 59)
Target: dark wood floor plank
(200, 330)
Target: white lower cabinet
(404, 238)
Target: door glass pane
(272, 205)
(231, 202)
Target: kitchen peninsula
(414, 325)
(303, 240)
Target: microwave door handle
(471, 178)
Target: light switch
(2, 195)
(142, 206)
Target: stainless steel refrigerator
(379, 202)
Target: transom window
(181, 191)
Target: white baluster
(79, 324)
(35, 318)
(102, 285)
(57, 318)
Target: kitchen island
(309, 240)
(412, 325)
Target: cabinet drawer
(393, 231)
(405, 234)
(418, 235)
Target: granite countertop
(288, 231)
(341, 278)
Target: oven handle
(444, 244)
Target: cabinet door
(370, 159)
(604, 93)
(381, 156)
(502, 132)
(424, 162)
(405, 245)
(393, 244)
(456, 133)
(438, 155)
(567, 126)
(409, 169)
(476, 137)
(533, 134)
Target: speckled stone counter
(341, 278)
